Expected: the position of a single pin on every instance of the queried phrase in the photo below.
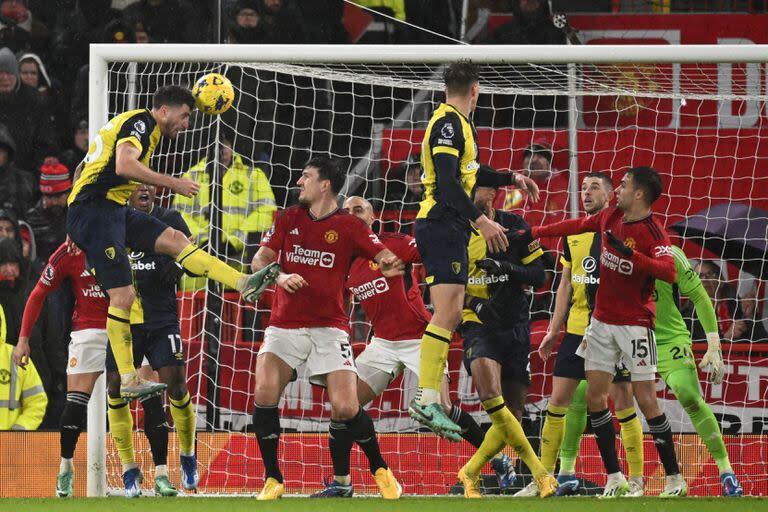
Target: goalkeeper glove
(492, 267)
(617, 244)
(713, 358)
(484, 310)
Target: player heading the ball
(102, 225)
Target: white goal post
(414, 67)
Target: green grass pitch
(378, 505)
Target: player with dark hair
(87, 355)
(449, 159)
(396, 311)
(635, 252)
(156, 338)
(102, 225)
(566, 415)
(497, 337)
(316, 242)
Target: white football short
(322, 349)
(88, 351)
(383, 360)
(608, 346)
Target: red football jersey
(393, 305)
(91, 303)
(625, 294)
(321, 251)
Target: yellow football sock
(552, 436)
(119, 334)
(434, 352)
(513, 434)
(121, 428)
(632, 439)
(201, 263)
(492, 444)
(184, 420)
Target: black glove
(484, 310)
(617, 244)
(492, 267)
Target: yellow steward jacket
(248, 204)
(22, 397)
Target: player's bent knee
(344, 410)
(171, 242)
(122, 298)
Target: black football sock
(266, 424)
(156, 429)
(364, 434)
(340, 442)
(665, 444)
(470, 430)
(72, 422)
(605, 435)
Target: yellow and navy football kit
(581, 254)
(449, 162)
(155, 313)
(98, 218)
(507, 341)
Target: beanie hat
(9, 63)
(9, 251)
(54, 177)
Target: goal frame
(103, 54)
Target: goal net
(700, 123)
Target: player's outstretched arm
(591, 223)
(562, 301)
(263, 257)
(289, 282)
(127, 165)
(689, 284)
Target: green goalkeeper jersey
(670, 326)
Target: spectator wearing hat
(245, 25)
(48, 217)
(23, 112)
(33, 73)
(13, 285)
(16, 185)
(537, 164)
(26, 386)
(77, 147)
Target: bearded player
(156, 338)
(635, 252)
(449, 159)
(395, 309)
(316, 242)
(87, 355)
(102, 225)
(566, 415)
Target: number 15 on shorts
(641, 349)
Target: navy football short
(443, 245)
(571, 366)
(161, 345)
(508, 346)
(103, 229)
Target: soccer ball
(213, 93)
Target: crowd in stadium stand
(44, 135)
